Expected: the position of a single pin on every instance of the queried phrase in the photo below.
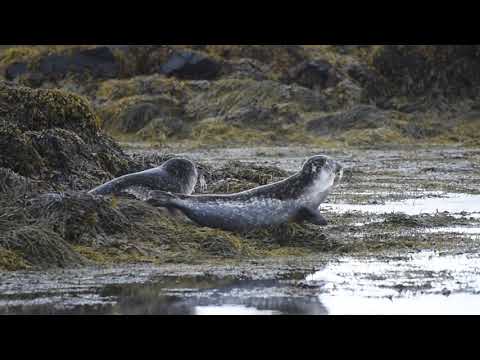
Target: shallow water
(448, 202)
(232, 310)
(418, 283)
(425, 283)
(455, 230)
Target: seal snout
(337, 169)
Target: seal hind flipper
(311, 216)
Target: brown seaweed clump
(54, 136)
(75, 229)
(43, 229)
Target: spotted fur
(274, 204)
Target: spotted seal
(176, 176)
(295, 199)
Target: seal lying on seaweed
(295, 199)
(176, 175)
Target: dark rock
(191, 65)
(98, 62)
(15, 70)
(317, 74)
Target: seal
(176, 175)
(295, 199)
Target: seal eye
(320, 163)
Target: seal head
(175, 175)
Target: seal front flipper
(311, 216)
(161, 199)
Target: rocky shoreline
(224, 95)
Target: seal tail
(162, 199)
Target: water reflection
(173, 296)
(422, 283)
(418, 283)
(232, 310)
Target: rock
(98, 62)
(316, 74)
(15, 70)
(191, 65)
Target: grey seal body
(176, 175)
(295, 199)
